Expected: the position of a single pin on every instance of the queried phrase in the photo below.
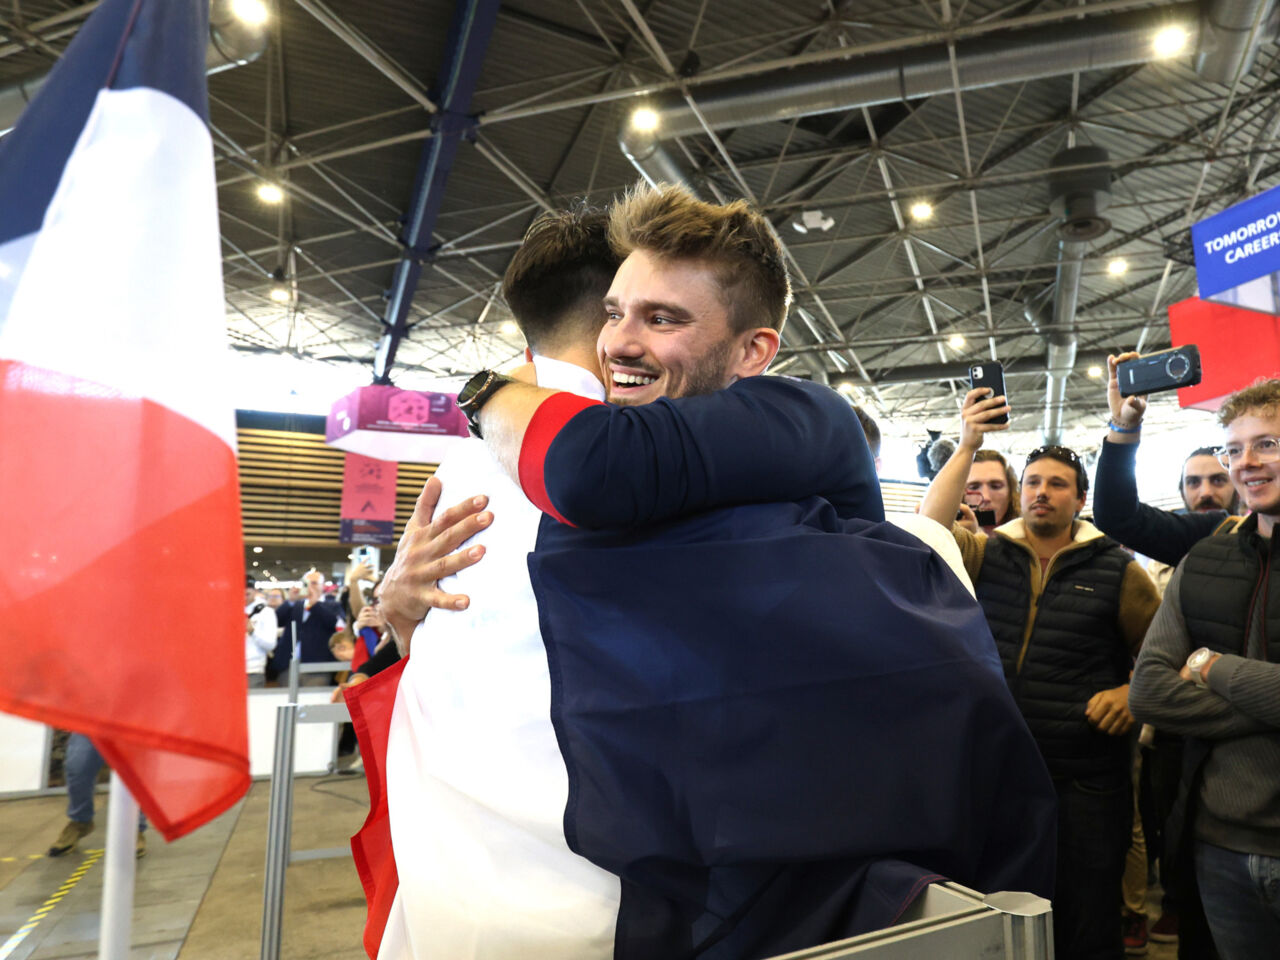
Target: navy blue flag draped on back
(779, 726)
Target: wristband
(1116, 428)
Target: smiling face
(668, 332)
(1206, 485)
(1050, 501)
(987, 478)
(1258, 482)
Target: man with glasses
(1208, 672)
(1211, 506)
(1068, 608)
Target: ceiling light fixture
(956, 342)
(252, 12)
(270, 193)
(1117, 266)
(1169, 42)
(1095, 372)
(509, 328)
(921, 210)
(257, 549)
(280, 294)
(644, 119)
(813, 220)
(847, 388)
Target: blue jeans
(81, 766)
(1241, 894)
(1095, 823)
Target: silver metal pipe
(279, 831)
(1233, 30)
(1043, 51)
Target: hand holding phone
(991, 376)
(1163, 370)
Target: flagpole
(117, 884)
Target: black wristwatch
(475, 393)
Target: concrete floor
(199, 898)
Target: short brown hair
(557, 280)
(671, 223)
(870, 428)
(1262, 394)
(1011, 481)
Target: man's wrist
(1118, 432)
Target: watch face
(472, 387)
(1199, 658)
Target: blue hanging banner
(1238, 245)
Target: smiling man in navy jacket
(766, 702)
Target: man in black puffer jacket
(1210, 672)
(1068, 608)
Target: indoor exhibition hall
(639, 479)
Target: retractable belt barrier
(280, 812)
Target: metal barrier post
(293, 664)
(279, 824)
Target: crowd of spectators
(1136, 650)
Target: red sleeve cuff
(552, 414)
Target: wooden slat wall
(291, 488)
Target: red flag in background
(122, 569)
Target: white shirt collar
(560, 375)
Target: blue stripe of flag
(124, 44)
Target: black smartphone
(1165, 370)
(989, 374)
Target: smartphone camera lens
(1177, 366)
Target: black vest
(1224, 578)
(1075, 648)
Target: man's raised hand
(428, 551)
(1125, 411)
(976, 414)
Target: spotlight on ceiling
(921, 210)
(257, 549)
(252, 12)
(280, 294)
(1095, 372)
(847, 388)
(644, 120)
(508, 328)
(813, 220)
(956, 342)
(1118, 266)
(1169, 42)
(270, 193)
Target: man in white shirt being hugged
(476, 785)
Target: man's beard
(709, 374)
(1046, 528)
(1207, 503)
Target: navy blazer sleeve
(1158, 534)
(762, 439)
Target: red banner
(368, 500)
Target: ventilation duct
(1093, 43)
(232, 43)
(1231, 40)
(1079, 193)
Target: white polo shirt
(476, 784)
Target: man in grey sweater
(1207, 671)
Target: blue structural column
(469, 35)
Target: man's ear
(757, 348)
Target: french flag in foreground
(121, 538)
